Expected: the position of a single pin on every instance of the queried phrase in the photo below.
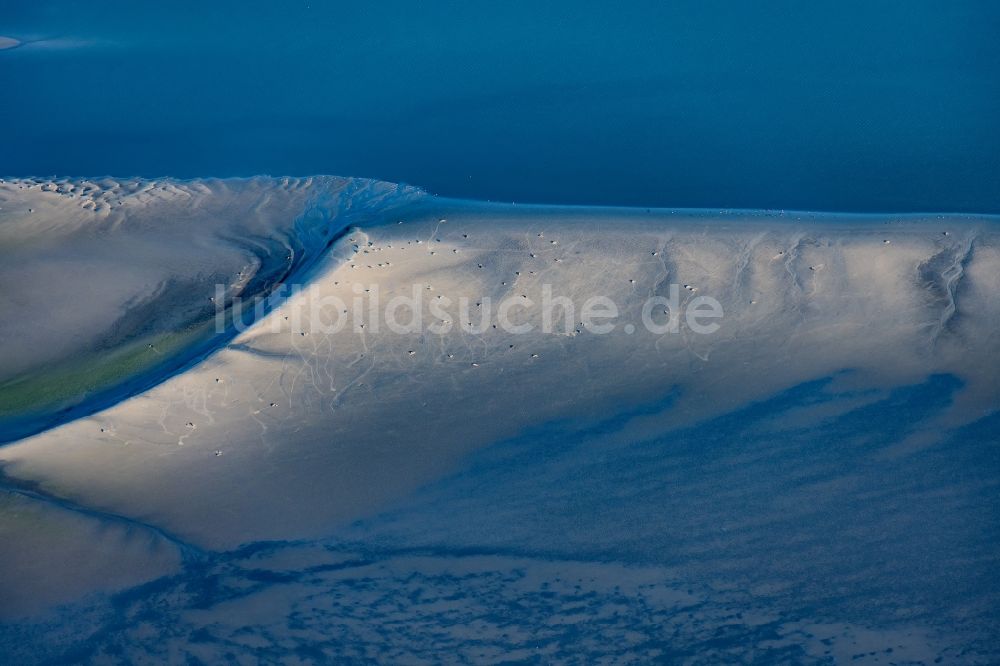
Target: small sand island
(493, 333)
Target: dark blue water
(855, 106)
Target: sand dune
(110, 285)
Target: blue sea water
(851, 106)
